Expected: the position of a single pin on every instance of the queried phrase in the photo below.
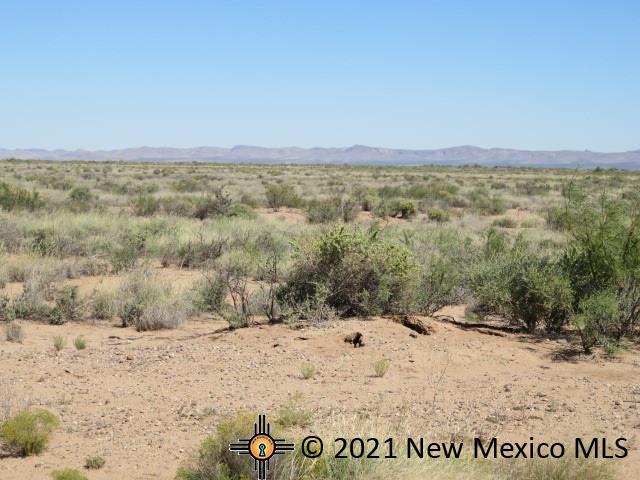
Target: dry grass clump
(13, 332)
(148, 303)
(381, 367)
(307, 371)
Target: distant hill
(357, 154)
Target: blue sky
(111, 74)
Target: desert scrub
(381, 367)
(103, 305)
(13, 197)
(68, 306)
(235, 268)
(147, 303)
(211, 291)
(28, 433)
(331, 210)
(96, 462)
(13, 332)
(438, 215)
(67, 474)
(361, 273)
(279, 196)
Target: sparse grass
(214, 461)
(28, 433)
(293, 414)
(307, 371)
(381, 367)
(80, 343)
(59, 343)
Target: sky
(401, 74)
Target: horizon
(320, 147)
(408, 75)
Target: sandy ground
(144, 401)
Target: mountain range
(357, 154)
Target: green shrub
(438, 284)
(331, 210)
(487, 204)
(281, 195)
(68, 306)
(145, 205)
(522, 284)
(211, 292)
(361, 273)
(556, 218)
(602, 262)
(596, 320)
(67, 474)
(81, 195)
(16, 198)
(95, 462)
(213, 206)
(241, 210)
(404, 209)
(81, 199)
(125, 252)
(28, 433)
(438, 215)
(539, 292)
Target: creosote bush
(29, 432)
(331, 210)
(360, 273)
(13, 197)
(281, 195)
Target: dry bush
(148, 303)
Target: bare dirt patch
(144, 401)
